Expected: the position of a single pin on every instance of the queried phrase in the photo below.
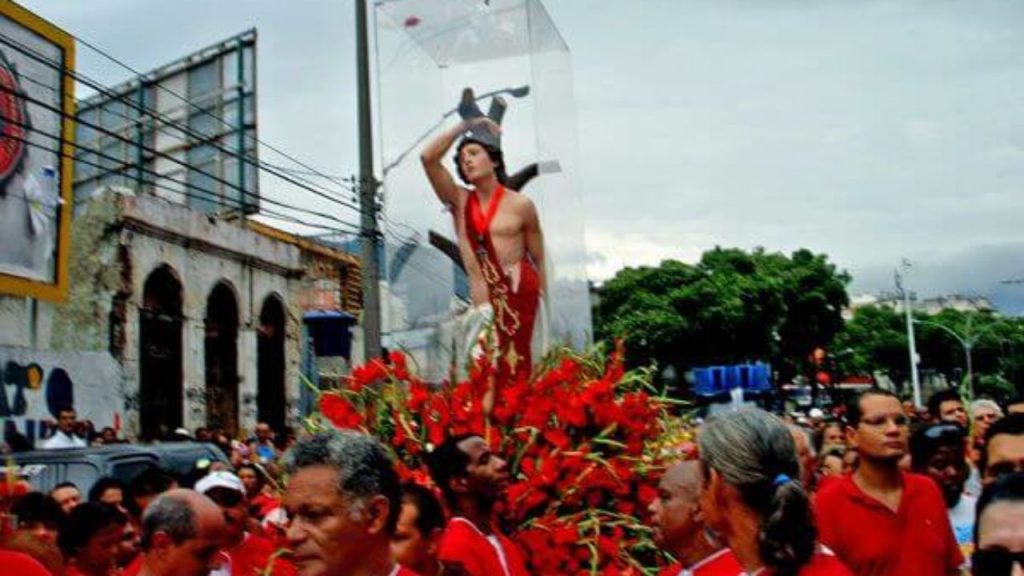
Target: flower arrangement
(586, 441)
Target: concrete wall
(117, 242)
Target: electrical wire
(213, 196)
(201, 138)
(132, 166)
(185, 100)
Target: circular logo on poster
(13, 122)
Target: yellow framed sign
(37, 131)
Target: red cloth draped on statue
(514, 310)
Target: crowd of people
(879, 488)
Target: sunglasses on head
(995, 562)
(941, 431)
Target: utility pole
(915, 381)
(367, 193)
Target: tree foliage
(875, 339)
(732, 306)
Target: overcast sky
(870, 131)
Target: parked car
(45, 469)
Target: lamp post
(967, 343)
(914, 379)
(516, 92)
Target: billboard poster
(36, 141)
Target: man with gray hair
(343, 499)
(182, 533)
(678, 525)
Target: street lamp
(516, 92)
(967, 343)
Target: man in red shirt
(881, 521)
(90, 538)
(22, 564)
(343, 499)
(472, 478)
(182, 532)
(247, 553)
(679, 526)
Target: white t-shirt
(62, 440)
(961, 517)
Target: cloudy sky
(871, 131)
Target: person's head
(66, 419)
(830, 463)
(476, 161)
(130, 546)
(805, 453)
(752, 471)
(877, 428)
(203, 434)
(343, 498)
(108, 435)
(832, 435)
(417, 538)
(91, 537)
(947, 406)
(999, 528)
(182, 533)
(464, 466)
(983, 413)
(227, 492)
(675, 513)
(252, 478)
(850, 461)
(38, 515)
(147, 485)
(1003, 451)
(66, 495)
(264, 433)
(107, 490)
(937, 451)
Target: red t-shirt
(21, 564)
(466, 544)
(720, 563)
(253, 555)
(135, 567)
(872, 540)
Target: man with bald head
(679, 527)
(182, 534)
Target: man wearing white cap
(247, 553)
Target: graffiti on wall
(34, 384)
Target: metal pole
(915, 381)
(367, 193)
(968, 347)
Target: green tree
(732, 306)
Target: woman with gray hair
(753, 499)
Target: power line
(201, 138)
(346, 182)
(125, 166)
(190, 103)
(213, 195)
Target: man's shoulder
(457, 534)
(835, 490)
(922, 486)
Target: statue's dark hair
(493, 152)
